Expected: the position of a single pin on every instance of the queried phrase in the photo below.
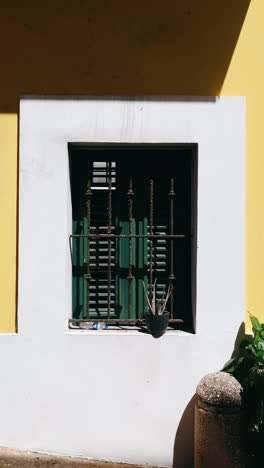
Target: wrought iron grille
(102, 242)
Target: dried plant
(156, 306)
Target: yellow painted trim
(8, 201)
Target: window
(133, 220)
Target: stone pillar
(219, 423)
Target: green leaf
(260, 355)
(255, 323)
(245, 342)
(241, 360)
(229, 365)
(257, 338)
(251, 350)
(260, 345)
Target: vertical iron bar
(109, 229)
(130, 276)
(171, 277)
(151, 189)
(88, 196)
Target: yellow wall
(135, 48)
(245, 76)
(8, 231)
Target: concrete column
(219, 423)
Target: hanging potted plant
(157, 317)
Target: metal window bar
(88, 196)
(109, 237)
(130, 276)
(109, 230)
(171, 277)
(151, 193)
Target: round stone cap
(220, 389)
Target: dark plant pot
(157, 324)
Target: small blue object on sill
(93, 325)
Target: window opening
(132, 222)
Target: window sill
(124, 331)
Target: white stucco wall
(117, 396)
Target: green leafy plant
(156, 306)
(247, 366)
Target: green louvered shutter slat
(78, 271)
(123, 247)
(99, 259)
(125, 173)
(79, 172)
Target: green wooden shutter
(94, 250)
(98, 250)
(139, 246)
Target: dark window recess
(133, 220)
